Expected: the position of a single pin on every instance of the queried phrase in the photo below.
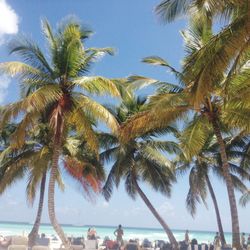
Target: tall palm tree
(140, 159)
(51, 86)
(224, 100)
(209, 160)
(34, 160)
(35, 229)
(31, 160)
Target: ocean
(11, 228)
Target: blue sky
(132, 28)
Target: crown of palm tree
(209, 159)
(51, 85)
(34, 160)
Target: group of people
(217, 240)
(91, 234)
(245, 242)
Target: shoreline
(112, 227)
(152, 234)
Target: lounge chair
(91, 244)
(42, 241)
(17, 247)
(19, 240)
(37, 247)
(18, 243)
(77, 241)
(77, 247)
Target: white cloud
(4, 84)
(167, 209)
(8, 20)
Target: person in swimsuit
(119, 234)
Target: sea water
(12, 228)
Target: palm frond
(158, 61)
(31, 54)
(245, 198)
(97, 85)
(194, 136)
(169, 10)
(98, 111)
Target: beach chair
(18, 243)
(37, 247)
(19, 240)
(91, 244)
(77, 247)
(77, 241)
(42, 242)
(17, 247)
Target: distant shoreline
(104, 226)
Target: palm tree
(51, 86)
(34, 160)
(208, 160)
(170, 10)
(35, 229)
(224, 100)
(229, 45)
(31, 160)
(140, 159)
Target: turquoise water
(102, 231)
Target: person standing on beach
(248, 240)
(243, 240)
(119, 234)
(187, 241)
(217, 241)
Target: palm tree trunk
(34, 232)
(51, 194)
(168, 231)
(229, 183)
(217, 212)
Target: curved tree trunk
(34, 232)
(217, 212)
(51, 194)
(166, 228)
(229, 183)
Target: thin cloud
(167, 209)
(8, 21)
